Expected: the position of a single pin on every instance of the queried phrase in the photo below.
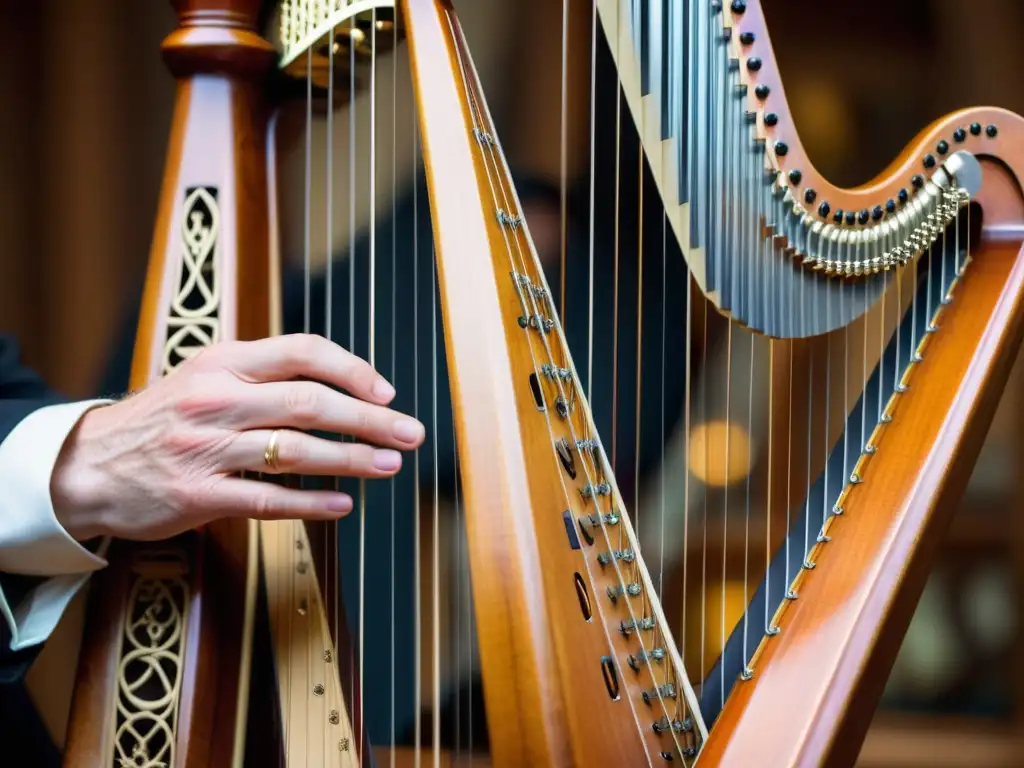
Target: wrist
(77, 489)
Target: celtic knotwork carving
(193, 321)
(152, 657)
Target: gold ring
(270, 453)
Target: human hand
(165, 459)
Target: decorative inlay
(308, 27)
(153, 638)
(193, 321)
(152, 657)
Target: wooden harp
(875, 329)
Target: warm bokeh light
(709, 460)
(826, 118)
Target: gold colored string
(639, 349)
(331, 590)
(615, 275)
(394, 356)
(373, 363)
(417, 533)
(307, 305)
(564, 155)
(593, 220)
(354, 693)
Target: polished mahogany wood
(839, 639)
(217, 143)
(555, 649)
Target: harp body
(579, 659)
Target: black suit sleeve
(22, 391)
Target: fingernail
(340, 503)
(408, 430)
(382, 390)
(387, 461)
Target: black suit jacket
(22, 391)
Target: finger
(302, 454)
(281, 358)
(240, 497)
(307, 405)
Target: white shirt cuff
(32, 541)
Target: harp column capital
(217, 36)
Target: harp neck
(575, 636)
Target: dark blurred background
(86, 106)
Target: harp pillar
(164, 669)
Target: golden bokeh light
(719, 452)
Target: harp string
(759, 244)
(687, 462)
(887, 300)
(564, 159)
(331, 590)
(702, 409)
(331, 544)
(372, 359)
(352, 228)
(435, 603)
(662, 489)
(639, 348)
(394, 373)
(615, 273)
(593, 220)
(306, 308)
(460, 605)
(417, 532)
(662, 506)
(744, 245)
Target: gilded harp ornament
(827, 359)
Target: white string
(417, 565)
(593, 180)
(436, 564)
(394, 365)
(373, 364)
(352, 294)
(307, 306)
(331, 533)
